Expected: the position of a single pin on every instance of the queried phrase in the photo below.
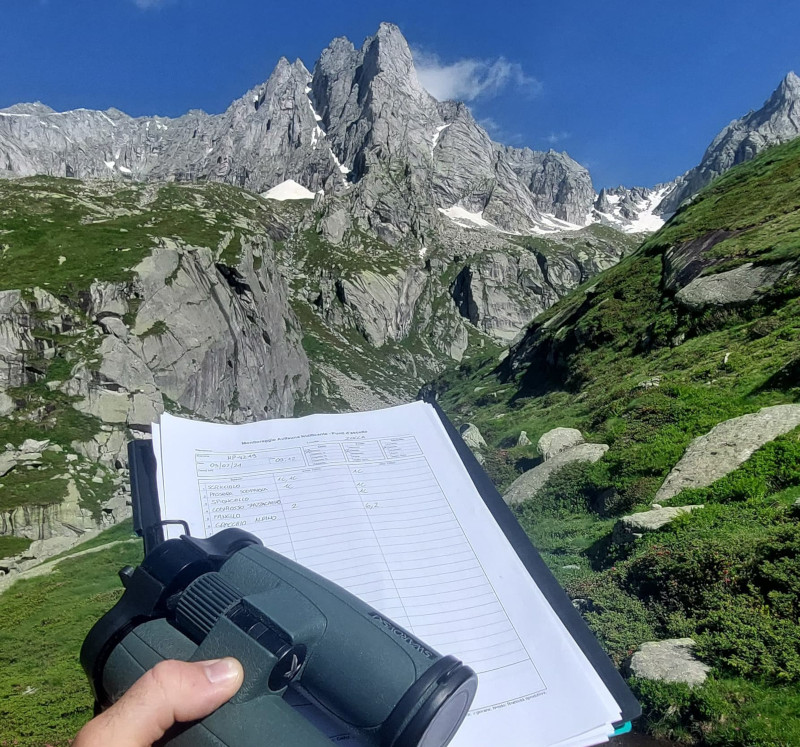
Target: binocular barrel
(290, 628)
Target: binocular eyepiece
(195, 599)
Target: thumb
(169, 692)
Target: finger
(169, 692)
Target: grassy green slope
(622, 361)
(44, 695)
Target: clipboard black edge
(553, 592)
(144, 493)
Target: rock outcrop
(204, 330)
(742, 285)
(500, 290)
(382, 305)
(671, 660)
(725, 447)
(561, 187)
(633, 527)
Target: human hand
(169, 692)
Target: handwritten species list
(371, 516)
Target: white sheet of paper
(380, 503)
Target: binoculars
(292, 630)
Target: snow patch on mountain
(288, 190)
(460, 216)
(318, 134)
(439, 130)
(550, 224)
(635, 210)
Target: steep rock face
(66, 518)
(382, 305)
(202, 330)
(265, 137)
(560, 185)
(499, 293)
(383, 113)
(22, 352)
(237, 354)
(216, 340)
(503, 288)
(408, 153)
(778, 121)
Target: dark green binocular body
(195, 599)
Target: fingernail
(221, 670)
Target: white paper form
(380, 503)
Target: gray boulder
(557, 440)
(8, 460)
(528, 484)
(740, 285)
(472, 436)
(32, 446)
(725, 447)
(7, 405)
(633, 527)
(523, 439)
(671, 660)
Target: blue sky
(633, 90)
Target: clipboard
(149, 525)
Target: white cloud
(469, 79)
(557, 137)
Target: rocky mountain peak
(389, 50)
(37, 107)
(777, 121)
(790, 86)
(361, 126)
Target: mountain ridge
(361, 125)
(365, 112)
